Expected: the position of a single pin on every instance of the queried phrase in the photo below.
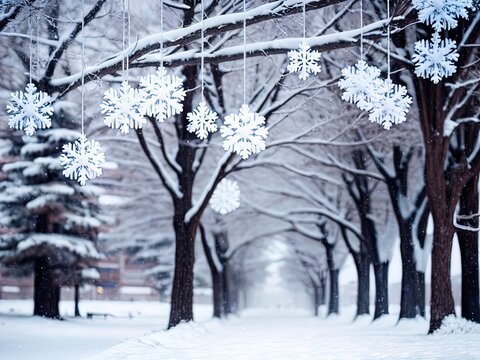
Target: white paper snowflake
(201, 121)
(121, 108)
(435, 59)
(442, 14)
(244, 133)
(163, 95)
(30, 110)
(304, 61)
(390, 105)
(226, 197)
(82, 159)
(358, 84)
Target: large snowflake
(358, 84)
(226, 197)
(435, 59)
(30, 110)
(442, 14)
(121, 108)
(82, 159)
(304, 61)
(163, 95)
(390, 105)
(201, 121)
(244, 133)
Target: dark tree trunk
(420, 300)
(362, 264)
(227, 302)
(316, 299)
(468, 241)
(322, 289)
(381, 289)
(334, 295)
(408, 296)
(46, 290)
(77, 299)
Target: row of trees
(301, 123)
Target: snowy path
(291, 336)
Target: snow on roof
(90, 273)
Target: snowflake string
(163, 95)
(121, 108)
(30, 110)
(82, 159)
(201, 121)
(226, 197)
(304, 61)
(390, 105)
(442, 14)
(435, 59)
(358, 84)
(244, 133)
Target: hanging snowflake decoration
(304, 61)
(244, 133)
(435, 59)
(442, 14)
(30, 110)
(390, 105)
(201, 121)
(358, 84)
(163, 95)
(82, 159)
(121, 108)
(226, 197)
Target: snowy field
(136, 332)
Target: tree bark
(420, 299)
(46, 290)
(381, 289)
(468, 241)
(362, 264)
(408, 296)
(316, 299)
(77, 299)
(334, 294)
(322, 289)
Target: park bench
(90, 315)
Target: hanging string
(388, 38)
(37, 46)
(161, 33)
(129, 31)
(30, 31)
(123, 37)
(83, 62)
(244, 52)
(361, 29)
(304, 20)
(202, 60)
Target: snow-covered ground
(137, 333)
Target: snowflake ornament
(390, 105)
(304, 61)
(121, 108)
(435, 59)
(163, 95)
(226, 197)
(30, 110)
(442, 14)
(244, 133)
(358, 84)
(201, 121)
(82, 159)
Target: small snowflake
(163, 95)
(358, 84)
(435, 59)
(244, 133)
(226, 197)
(442, 14)
(304, 61)
(82, 159)
(202, 121)
(30, 110)
(121, 108)
(390, 105)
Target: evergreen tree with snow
(49, 223)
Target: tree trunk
(362, 263)
(77, 299)
(46, 291)
(420, 300)
(322, 289)
(217, 294)
(381, 289)
(333, 299)
(468, 241)
(182, 289)
(408, 297)
(441, 304)
(227, 295)
(316, 299)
